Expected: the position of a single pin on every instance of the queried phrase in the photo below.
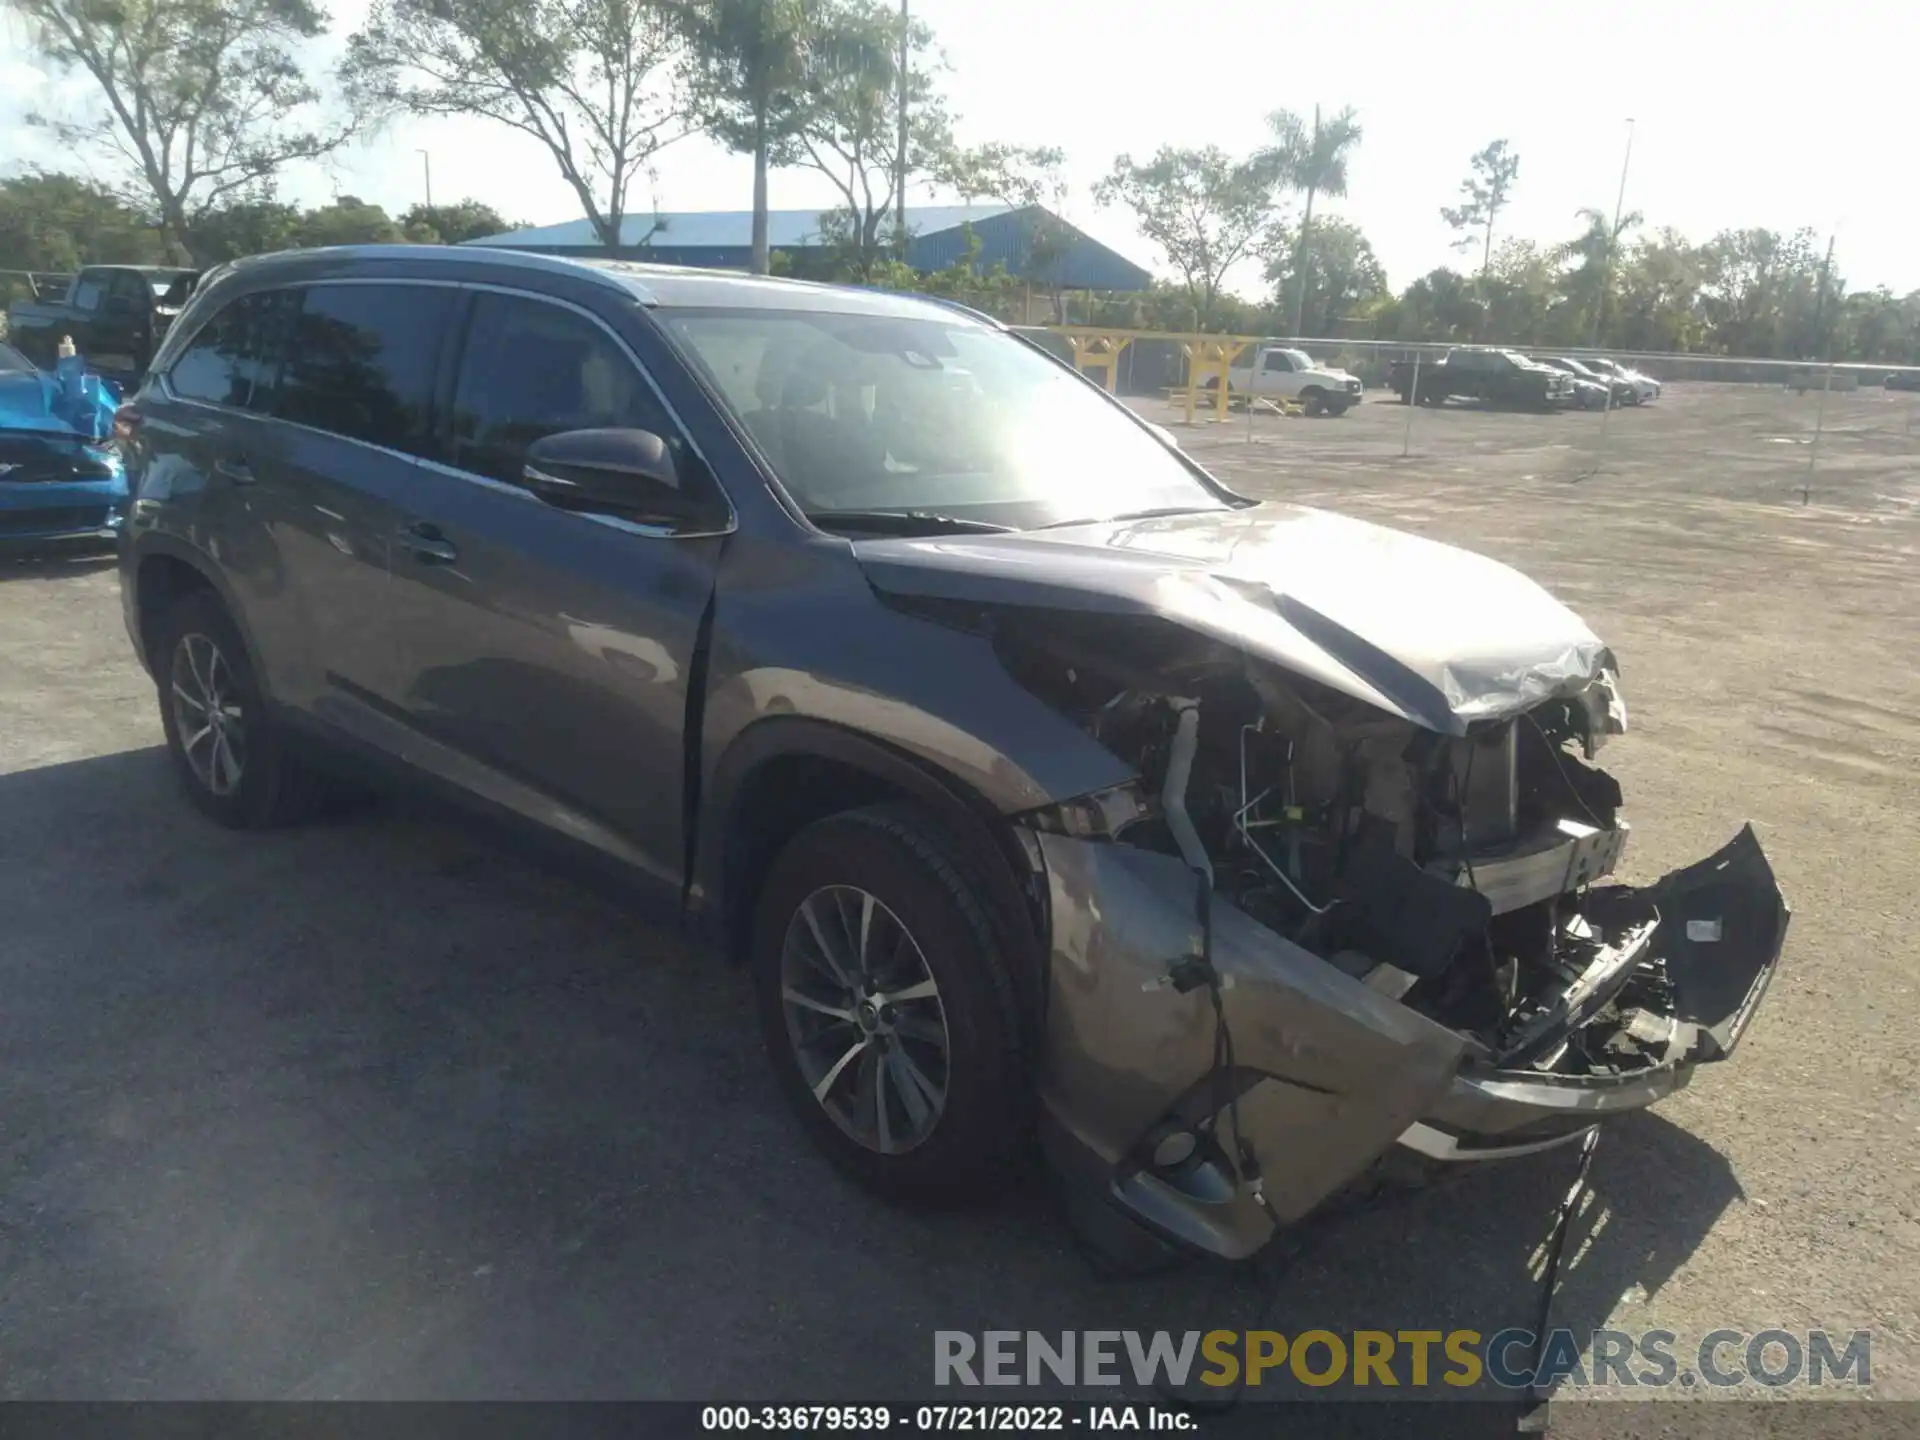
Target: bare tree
(199, 100)
(592, 80)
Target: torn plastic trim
(1329, 1074)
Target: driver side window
(531, 369)
(1277, 360)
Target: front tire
(226, 748)
(1314, 399)
(889, 1008)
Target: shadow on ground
(376, 1108)
(55, 562)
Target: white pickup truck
(1275, 372)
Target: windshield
(865, 413)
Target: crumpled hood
(48, 404)
(1431, 632)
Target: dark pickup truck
(116, 314)
(1475, 372)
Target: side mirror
(631, 474)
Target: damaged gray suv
(1046, 785)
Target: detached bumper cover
(1328, 1074)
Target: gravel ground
(380, 1108)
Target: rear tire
(226, 747)
(889, 1006)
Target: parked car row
(1497, 376)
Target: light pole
(1613, 239)
(900, 155)
(426, 166)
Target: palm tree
(755, 66)
(1315, 163)
(1595, 249)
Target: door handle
(238, 471)
(427, 544)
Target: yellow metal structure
(1207, 355)
(1100, 350)
(1210, 355)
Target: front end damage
(1313, 930)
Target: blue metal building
(721, 240)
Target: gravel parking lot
(382, 1108)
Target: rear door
(351, 391)
(545, 657)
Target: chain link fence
(1773, 432)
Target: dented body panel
(1427, 631)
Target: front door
(544, 657)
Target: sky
(1743, 116)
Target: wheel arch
(784, 773)
(165, 572)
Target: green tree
(59, 223)
(1589, 284)
(1519, 293)
(453, 224)
(347, 220)
(196, 100)
(592, 80)
(1030, 179)
(848, 132)
(246, 227)
(755, 66)
(1440, 305)
(1314, 162)
(1344, 280)
(1659, 295)
(1875, 325)
(1205, 210)
(1490, 179)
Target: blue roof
(724, 229)
(721, 239)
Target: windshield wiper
(904, 522)
(1159, 514)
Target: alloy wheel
(865, 1019)
(207, 714)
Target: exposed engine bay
(1453, 873)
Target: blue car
(61, 474)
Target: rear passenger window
(360, 362)
(533, 369)
(230, 361)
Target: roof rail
(469, 255)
